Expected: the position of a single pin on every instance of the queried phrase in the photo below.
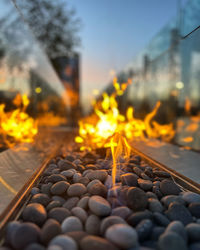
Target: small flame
(17, 126)
(187, 105)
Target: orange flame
(96, 130)
(17, 126)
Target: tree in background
(53, 23)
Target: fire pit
(76, 205)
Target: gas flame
(17, 126)
(97, 130)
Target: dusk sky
(113, 32)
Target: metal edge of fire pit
(57, 137)
(186, 183)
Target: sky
(113, 32)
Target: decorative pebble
(179, 212)
(83, 202)
(35, 213)
(172, 241)
(144, 229)
(92, 225)
(109, 221)
(161, 174)
(155, 205)
(43, 199)
(71, 224)
(58, 198)
(77, 236)
(137, 199)
(99, 206)
(190, 197)
(65, 242)
(121, 211)
(194, 209)
(193, 230)
(94, 242)
(59, 214)
(98, 189)
(167, 200)
(161, 219)
(53, 204)
(129, 179)
(68, 173)
(97, 174)
(50, 229)
(156, 232)
(59, 188)
(168, 187)
(34, 246)
(122, 236)
(71, 202)
(24, 235)
(136, 217)
(177, 227)
(146, 185)
(56, 177)
(76, 189)
(79, 213)
(65, 165)
(35, 190)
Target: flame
(50, 119)
(97, 130)
(17, 126)
(187, 106)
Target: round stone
(65, 165)
(76, 189)
(109, 221)
(144, 229)
(71, 202)
(43, 199)
(65, 242)
(10, 230)
(97, 174)
(179, 212)
(172, 241)
(83, 203)
(122, 236)
(52, 205)
(24, 235)
(162, 174)
(92, 225)
(83, 180)
(77, 236)
(129, 179)
(167, 200)
(58, 198)
(168, 187)
(35, 213)
(71, 224)
(193, 230)
(123, 211)
(177, 227)
(56, 177)
(190, 197)
(137, 199)
(98, 189)
(156, 232)
(136, 217)
(146, 185)
(68, 173)
(161, 219)
(45, 188)
(60, 187)
(194, 209)
(35, 190)
(99, 206)
(155, 205)
(79, 213)
(97, 243)
(50, 229)
(76, 177)
(59, 214)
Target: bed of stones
(75, 207)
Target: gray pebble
(92, 225)
(194, 209)
(161, 219)
(144, 229)
(177, 227)
(35, 190)
(64, 241)
(190, 197)
(79, 213)
(122, 236)
(45, 188)
(35, 213)
(95, 242)
(58, 198)
(172, 241)
(68, 173)
(43, 199)
(151, 195)
(136, 217)
(50, 229)
(53, 204)
(166, 200)
(137, 199)
(129, 179)
(34, 246)
(71, 224)
(76, 189)
(168, 187)
(97, 174)
(56, 177)
(193, 230)
(109, 221)
(71, 202)
(60, 187)
(98, 189)
(59, 214)
(76, 177)
(146, 185)
(123, 211)
(155, 205)
(83, 202)
(99, 206)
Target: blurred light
(95, 92)
(179, 85)
(38, 90)
(112, 72)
